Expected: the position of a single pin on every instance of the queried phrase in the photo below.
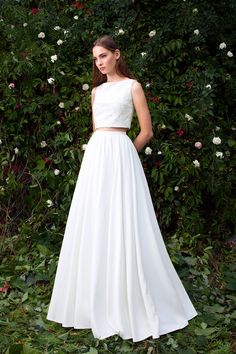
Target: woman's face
(105, 60)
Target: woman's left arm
(144, 117)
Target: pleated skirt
(114, 274)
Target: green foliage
(189, 83)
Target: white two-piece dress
(114, 274)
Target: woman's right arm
(92, 100)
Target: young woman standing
(114, 274)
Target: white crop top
(113, 105)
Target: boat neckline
(112, 82)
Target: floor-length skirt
(114, 274)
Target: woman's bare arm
(144, 117)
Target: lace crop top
(113, 105)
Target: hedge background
(182, 52)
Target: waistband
(109, 132)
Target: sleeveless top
(113, 105)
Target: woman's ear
(117, 54)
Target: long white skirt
(114, 274)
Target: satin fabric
(114, 274)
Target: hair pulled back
(108, 43)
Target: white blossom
(16, 150)
(76, 17)
(51, 80)
(152, 33)
(143, 54)
(195, 11)
(0, 141)
(148, 150)
(41, 35)
(56, 172)
(11, 85)
(59, 42)
(216, 140)
(84, 146)
(159, 153)
(53, 58)
(85, 87)
(163, 126)
(49, 203)
(196, 31)
(2, 189)
(65, 32)
(217, 128)
(25, 24)
(208, 86)
(61, 105)
(43, 144)
(176, 188)
(121, 31)
(57, 28)
(197, 48)
(77, 108)
(58, 122)
(147, 85)
(196, 163)
(188, 117)
(62, 72)
(219, 154)
(222, 45)
(230, 54)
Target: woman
(114, 274)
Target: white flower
(41, 35)
(159, 153)
(230, 54)
(85, 87)
(61, 105)
(121, 31)
(143, 54)
(11, 85)
(49, 203)
(196, 31)
(197, 49)
(25, 24)
(163, 126)
(51, 80)
(208, 86)
(12, 26)
(76, 17)
(43, 144)
(77, 108)
(219, 154)
(58, 122)
(188, 117)
(195, 11)
(57, 28)
(62, 72)
(56, 172)
(222, 45)
(84, 146)
(196, 163)
(216, 140)
(148, 150)
(65, 32)
(217, 128)
(152, 33)
(2, 189)
(53, 58)
(16, 150)
(59, 42)
(147, 84)
(0, 141)
(176, 188)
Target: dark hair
(108, 42)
